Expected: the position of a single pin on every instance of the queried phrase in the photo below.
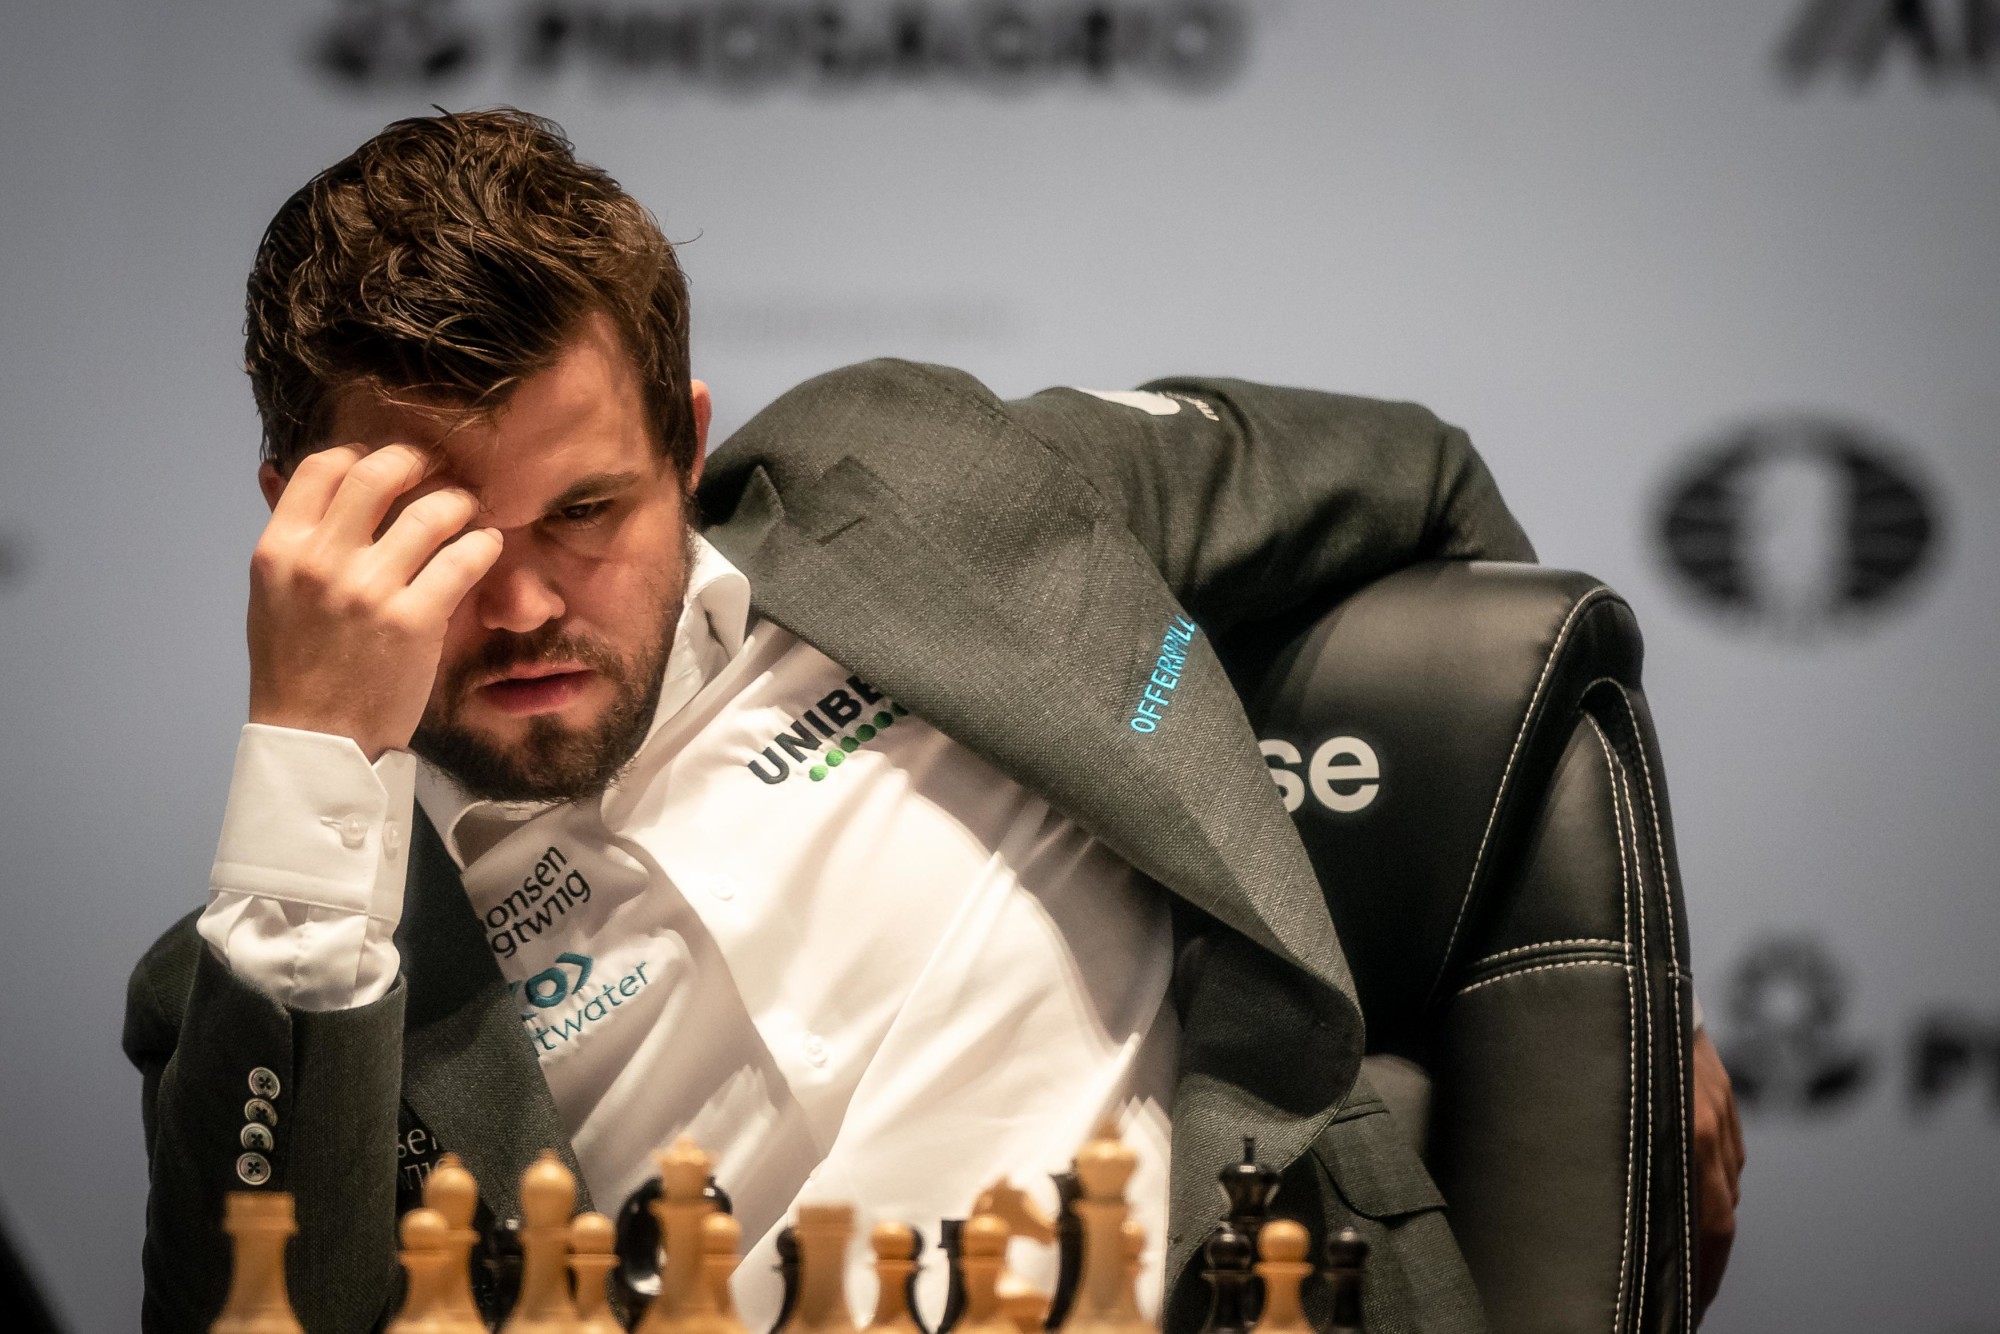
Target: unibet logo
(835, 722)
(1344, 776)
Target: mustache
(507, 650)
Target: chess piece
(1104, 1166)
(638, 1273)
(685, 1295)
(548, 1194)
(591, 1260)
(1021, 1301)
(788, 1272)
(721, 1244)
(895, 1246)
(910, 1283)
(451, 1191)
(426, 1243)
(823, 1233)
(1249, 1187)
(1282, 1246)
(1134, 1238)
(983, 1255)
(1229, 1268)
(1069, 1248)
(1346, 1257)
(951, 1233)
(258, 1223)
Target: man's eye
(583, 514)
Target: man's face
(551, 665)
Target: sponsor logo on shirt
(564, 1004)
(820, 739)
(548, 891)
(1167, 669)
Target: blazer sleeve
(1256, 501)
(206, 1045)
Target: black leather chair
(1473, 768)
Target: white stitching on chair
(1625, 1248)
(1596, 594)
(1680, 1065)
(1546, 945)
(1629, 833)
(1540, 968)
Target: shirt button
(815, 1049)
(263, 1083)
(722, 887)
(392, 838)
(353, 831)
(254, 1169)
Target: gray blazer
(1009, 571)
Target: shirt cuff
(307, 886)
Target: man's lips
(536, 688)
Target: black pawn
(951, 1231)
(788, 1270)
(1346, 1258)
(1249, 1187)
(1231, 1270)
(1069, 1248)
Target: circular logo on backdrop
(1787, 1049)
(1799, 523)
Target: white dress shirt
(843, 952)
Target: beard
(554, 762)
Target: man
(830, 834)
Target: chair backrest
(1472, 767)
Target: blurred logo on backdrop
(1944, 41)
(1786, 1001)
(396, 43)
(1789, 1050)
(750, 46)
(1800, 524)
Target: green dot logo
(787, 752)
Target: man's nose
(516, 594)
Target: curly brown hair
(446, 259)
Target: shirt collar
(710, 632)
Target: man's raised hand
(346, 629)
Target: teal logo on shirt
(566, 985)
(1167, 670)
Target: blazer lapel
(468, 1071)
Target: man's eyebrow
(594, 487)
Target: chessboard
(570, 1274)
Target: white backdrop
(1600, 236)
